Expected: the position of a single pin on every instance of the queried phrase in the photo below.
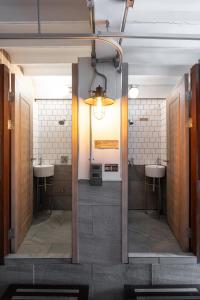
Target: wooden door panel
(173, 174)
(25, 210)
(178, 163)
(22, 204)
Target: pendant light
(98, 98)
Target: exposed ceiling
(45, 57)
(161, 60)
(156, 61)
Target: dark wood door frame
(195, 160)
(124, 161)
(5, 163)
(75, 253)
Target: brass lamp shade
(99, 93)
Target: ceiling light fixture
(98, 98)
(133, 92)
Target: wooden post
(75, 254)
(124, 161)
(195, 160)
(5, 162)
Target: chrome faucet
(131, 162)
(158, 161)
(40, 161)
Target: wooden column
(5, 162)
(124, 161)
(75, 254)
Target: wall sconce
(98, 99)
(133, 92)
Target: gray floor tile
(49, 237)
(149, 233)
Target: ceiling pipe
(128, 4)
(104, 36)
(90, 5)
(38, 16)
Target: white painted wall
(107, 128)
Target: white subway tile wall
(147, 135)
(35, 133)
(50, 139)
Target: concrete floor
(49, 236)
(148, 233)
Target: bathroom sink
(43, 170)
(155, 171)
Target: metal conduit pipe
(49, 36)
(90, 5)
(128, 4)
(89, 37)
(108, 38)
(38, 16)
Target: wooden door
(5, 162)
(22, 203)
(178, 163)
(195, 160)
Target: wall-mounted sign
(106, 144)
(111, 167)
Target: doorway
(41, 212)
(26, 229)
(158, 172)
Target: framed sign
(106, 144)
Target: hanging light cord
(101, 75)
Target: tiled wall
(51, 140)
(147, 135)
(35, 132)
(163, 134)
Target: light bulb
(99, 111)
(133, 92)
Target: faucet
(131, 162)
(40, 161)
(158, 161)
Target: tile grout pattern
(49, 236)
(144, 236)
(51, 140)
(100, 266)
(147, 138)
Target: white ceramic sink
(43, 170)
(155, 171)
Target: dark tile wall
(60, 193)
(136, 190)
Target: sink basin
(43, 170)
(155, 171)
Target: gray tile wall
(61, 190)
(136, 192)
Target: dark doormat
(161, 292)
(43, 292)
